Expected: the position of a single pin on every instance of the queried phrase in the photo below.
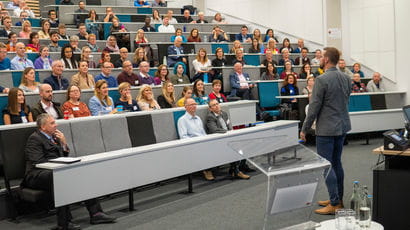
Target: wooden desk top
(380, 150)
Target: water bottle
(205, 38)
(205, 77)
(184, 28)
(46, 64)
(66, 115)
(355, 199)
(365, 213)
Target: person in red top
(33, 43)
(73, 105)
(194, 36)
(216, 94)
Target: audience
(285, 57)
(236, 45)
(83, 79)
(17, 111)
(92, 43)
(141, 3)
(123, 57)
(186, 93)
(74, 40)
(6, 22)
(186, 17)
(356, 69)
(111, 44)
(13, 4)
(46, 103)
(101, 103)
(105, 57)
(146, 100)
(306, 71)
(175, 53)
(52, 18)
(199, 95)
(62, 32)
(357, 85)
(316, 59)
(270, 72)
(33, 43)
(287, 70)
(82, 32)
(86, 56)
(140, 38)
(239, 83)
(194, 36)
(43, 61)
(159, 3)
(144, 77)
(243, 36)
(201, 18)
(127, 75)
(218, 19)
(128, 104)
(310, 81)
(67, 57)
(147, 26)
(56, 80)
(258, 36)
(28, 81)
(105, 75)
(44, 33)
(167, 98)
(255, 47)
(53, 46)
(73, 105)
(179, 76)
(219, 61)
(12, 41)
(123, 38)
(272, 46)
(216, 92)
(109, 14)
(156, 17)
(304, 57)
(20, 61)
(268, 35)
(23, 7)
(169, 15)
(268, 58)
(139, 56)
(286, 44)
(78, 12)
(376, 84)
(161, 75)
(301, 45)
(239, 57)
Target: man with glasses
(105, 74)
(20, 61)
(123, 57)
(127, 75)
(6, 22)
(56, 80)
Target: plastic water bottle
(355, 199)
(365, 212)
(205, 77)
(46, 64)
(205, 38)
(184, 28)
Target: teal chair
(267, 97)
(224, 46)
(177, 115)
(359, 103)
(124, 18)
(32, 56)
(114, 94)
(16, 76)
(144, 10)
(35, 22)
(107, 27)
(252, 60)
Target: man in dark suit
(217, 121)
(46, 103)
(243, 36)
(176, 49)
(46, 143)
(239, 82)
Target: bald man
(46, 104)
(20, 61)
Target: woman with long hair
(17, 111)
(161, 75)
(105, 57)
(33, 43)
(199, 92)
(156, 17)
(125, 100)
(43, 61)
(306, 71)
(67, 57)
(178, 32)
(269, 34)
(180, 76)
(146, 100)
(270, 72)
(140, 56)
(73, 105)
(26, 29)
(85, 56)
(310, 82)
(287, 70)
(255, 47)
(91, 25)
(201, 64)
(167, 98)
(236, 45)
(257, 35)
(101, 103)
(140, 38)
(194, 36)
(12, 41)
(111, 44)
(44, 33)
(290, 88)
(186, 93)
(83, 79)
(272, 46)
(28, 81)
(286, 44)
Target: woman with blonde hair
(202, 65)
(85, 56)
(146, 100)
(236, 45)
(140, 37)
(83, 79)
(17, 111)
(25, 29)
(167, 98)
(28, 81)
(73, 105)
(139, 56)
(101, 103)
(125, 100)
(186, 93)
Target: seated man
(269, 58)
(82, 32)
(341, 66)
(5, 63)
(141, 3)
(46, 143)
(23, 7)
(243, 36)
(218, 35)
(56, 80)
(190, 125)
(20, 61)
(176, 51)
(147, 27)
(123, 57)
(304, 57)
(46, 104)
(143, 77)
(217, 121)
(6, 22)
(159, 3)
(170, 17)
(52, 18)
(127, 75)
(201, 18)
(166, 27)
(105, 74)
(376, 84)
(301, 45)
(78, 17)
(285, 57)
(54, 38)
(357, 85)
(186, 17)
(109, 14)
(239, 83)
(13, 4)
(23, 17)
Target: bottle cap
(355, 182)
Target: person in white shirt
(172, 20)
(46, 103)
(23, 7)
(166, 27)
(376, 84)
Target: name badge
(180, 80)
(134, 107)
(228, 121)
(76, 109)
(136, 82)
(108, 109)
(24, 119)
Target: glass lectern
(294, 174)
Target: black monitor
(406, 111)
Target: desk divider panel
(163, 131)
(144, 10)
(87, 136)
(65, 127)
(378, 101)
(115, 132)
(359, 103)
(141, 130)
(6, 79)
(252, 60)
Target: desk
(110, 172)
(330, 225)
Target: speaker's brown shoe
(208, 175)
(323, 203)
(328, 210)
(242, 175)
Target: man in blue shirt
(4, 60)
(20, 61)
(105, 74)
(243, 36)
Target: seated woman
(105, 57)
(310, 81)
(92, 43)
(83, 79)
(44, 33)
(43, 61)
(111, 44)
(28, 81)
(122, 39)
(218, 19)
(270, 72)
(219, 61)
(156, 17)
(73, 105)
(202, 66)
(286, 44)
(17, 111)
(91, 25)
(139, 56)
(180, 76)
(12, 41)
(101, 103)
(167, 98)
(255, 47)
(356, 69)
(269, 35)
(128, 104)
(236, 45)
(146, 100)
(199, 92)
(140, 38)
(258, 35)
(26, 29)
(216, 92)
(290, 88)
(194, 36)
(357, 85)
(288, 70)
(67, 57)
(62, 32)
(178, 32)
(306, 71)
(186, 93)
(272, 46)
(161, 75)
(33, 43)
(238, 57)
(86, 56)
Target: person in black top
(125, 100)
(167, 98)
(219, 61)
(17, 111)
(187, 17)
(147, 27)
